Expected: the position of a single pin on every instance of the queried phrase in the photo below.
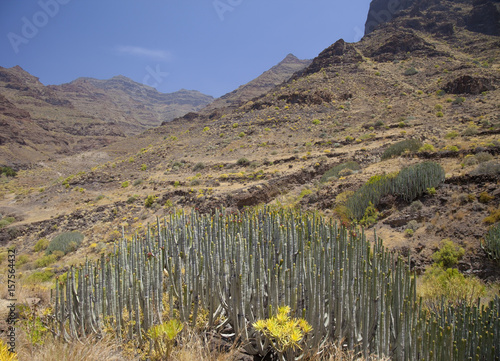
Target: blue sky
(209, 45)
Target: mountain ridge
(85, 113)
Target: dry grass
(191, 346)
(56, 350)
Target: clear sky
(212, 46)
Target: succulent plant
(242, 267)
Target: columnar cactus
(240, 268)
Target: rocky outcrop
(382, 11)
(400, 45)
(485, 17)
(468, 84)
(336, 54)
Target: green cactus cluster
(396, 149)
(238, 268)
(491, 244)
(409, 184)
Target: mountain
(84, 114)
(133, 106)
(271, 78)
(429, 76)
(262, 84)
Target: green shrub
(243, 162)
(411, 71)
(470, 131)
(487, 168)
(41, 245)
(137, 182)
(198, 166)
(484, 197)
(449, 254)
(491, 244)
(396, 149)
(6, 221)
(469, 160)
(132, 199)
(22, 259)
(144, 167)
(150, 200)
(426, 148)
(483, 157)
(125, 184)
(458, 100)
(39, 277)
(65, 242)
(334, 172)
(45, 260)
(416, 206)
(493, 217)
(451, 135)
(8, 171)
(450, 287)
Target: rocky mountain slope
(84, 114)
(426, 77)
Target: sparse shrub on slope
(334, 172)
(396, 149)
(449, 254)
(65, 242)
(449, 287)
(487, 168)
(8, 171)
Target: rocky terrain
(429, 73)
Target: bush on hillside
(334, 172)
(65, 242)
(396, 149)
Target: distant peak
(290, 57)
(120, 77)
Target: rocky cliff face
(482, 16)
(382, 11)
